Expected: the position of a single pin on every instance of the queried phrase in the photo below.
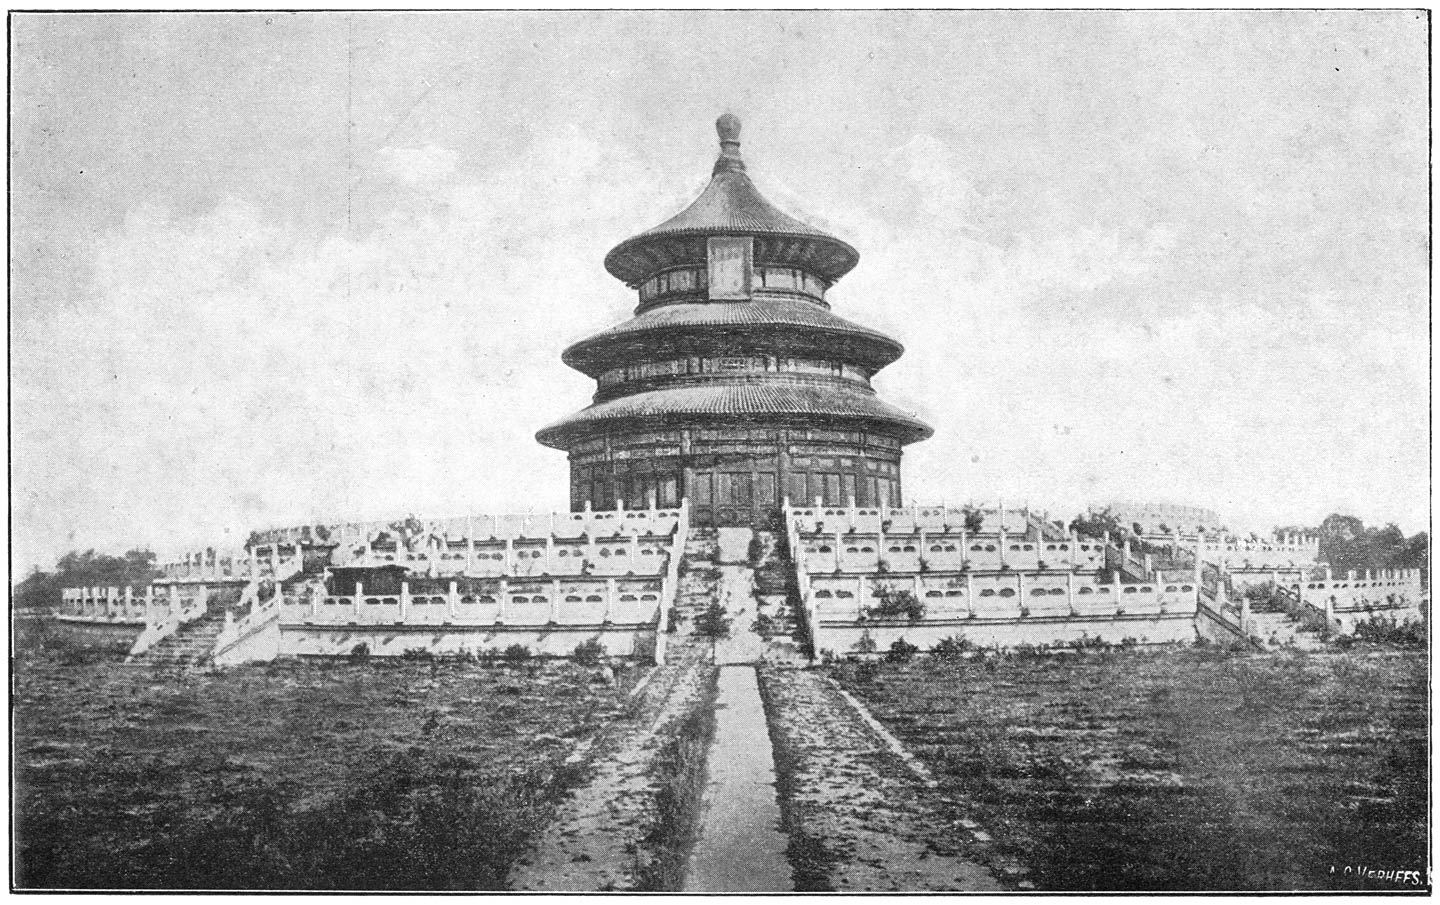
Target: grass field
(378, 775)
(1184, 769)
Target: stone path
(741, 847)
(870, 823)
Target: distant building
(733, 385)
(1151, 516)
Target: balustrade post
(969, 594)
(1070, 591)
(360, 600)
(1002, 543)
(859, 597)
(609, 599)
(1115, 589)
(549, 552)
(404, 600)
(555, 601)
(452, 598)
(509, 554)
(504, 598)
(837, 551)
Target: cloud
(229, 372)
(417, 166)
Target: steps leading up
(191, 645)
(699, 587)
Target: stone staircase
(191, 645)
(699, 578)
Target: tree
(974, 519)
(1345, 543)
(42, 590)
(713, 624)
(1096, 524)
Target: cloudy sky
(275, 268)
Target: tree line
(41, 590)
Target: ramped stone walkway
(870, 821)
(741, 847)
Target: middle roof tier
(761, 326)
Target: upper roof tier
(730, 206)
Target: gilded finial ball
(728, 127)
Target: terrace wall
(903, 520)
(113, 636)
(1350, 598)
(841, 638)
(998, 595)
(395, 640)
(863, 552)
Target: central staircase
(191, 645)
(699, 575)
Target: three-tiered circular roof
(765, 324)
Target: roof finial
(728, 128)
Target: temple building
(733, 385)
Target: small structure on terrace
(734, 385)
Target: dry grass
(1177, 769)
(381, 775)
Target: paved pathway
(741, 847)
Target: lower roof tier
(777, 325)
(739, 401)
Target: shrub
(360, 653)
(953, 648)
(1388, 630)
(866, 644)
(895, 605)
(417, 653)
(755, 553)
(901, 651)
(713, 624)
(517, 653)
(586, 653)
(672, 620)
